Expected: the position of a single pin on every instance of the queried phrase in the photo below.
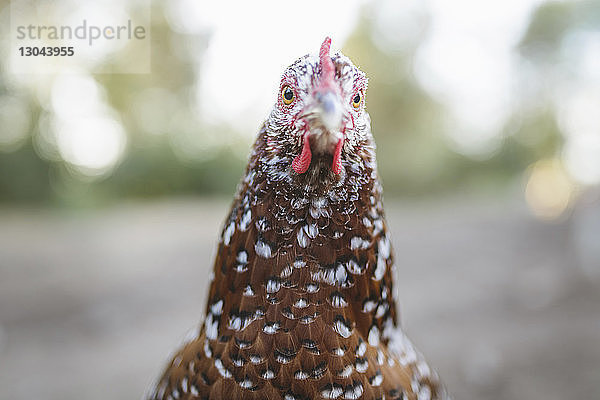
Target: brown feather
(300, 306)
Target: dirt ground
(503, 305)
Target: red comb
(327, 68)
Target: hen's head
(319, 122)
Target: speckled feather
(301, 303)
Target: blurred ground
(91, 304)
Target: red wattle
(336, 166)
(302, 161)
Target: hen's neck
(306, 246)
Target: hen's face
(320, 114)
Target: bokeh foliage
(414, 156)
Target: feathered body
(301, 302)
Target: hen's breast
(300, 305)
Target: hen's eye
(356, 100)
(287, 94)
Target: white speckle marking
(273, 286)
(384, 247)
(311, 230)
(246, 383)
(424, 393)
(242, 257)
(245, 220)
(211, 327)
(374, 336)
(346, 372)
(362, 349)
(359, 243)
(217, 308)
(301, 303)
(369, 306)
(380, 269)
(340, 274)
(228, 233)
(248, 292)
(354, 392)
(353, 267)
(362, 366)
(225, 373)
(377, 379)
(338, 351)
(286, 272)
(380, 357)
(271, 328)
(303, 239)
(268, 374)
(262, 249)
(381, 309)
(300, 375)
(256, 359)
(423, 369)
(235, 323)
(338, 301)
(342, 330)
(332, 392)
(299, 264)
(312, 288)
(378, 224)
(207, 350)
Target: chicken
(301, 302)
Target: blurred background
(487, 118)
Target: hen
(301, 303)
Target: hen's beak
(325, 118)
(329, 110)
(326, 122)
